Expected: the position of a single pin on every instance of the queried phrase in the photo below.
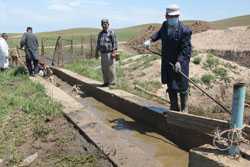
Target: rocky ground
(236, 39)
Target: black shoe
(105, 85)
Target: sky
(49, 15)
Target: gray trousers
(108, 68)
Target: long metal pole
(203, 91)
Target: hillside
(126, 34)
(231, 22)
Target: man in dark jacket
(176, 50)
(30, 44)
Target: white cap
(173, 10)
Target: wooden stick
(151, 94)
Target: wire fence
(59, 51)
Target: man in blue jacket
(176, 50)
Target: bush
(197, 60)
(212, 62)
(207, 79)
(195, 53)
(220, 72)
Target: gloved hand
(147, 43)
(96, 54)
(177, 67)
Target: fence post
(42, 48)
(237, 120)
(82, 47)
(55, 51)
(91, 46)
(71, 47)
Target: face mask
(173, 21)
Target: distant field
(125, 34)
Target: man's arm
(4, 48)
(185, 46)
(97, 46)
(37, 43)
(23, 41)
(156, 36)
(114, 41)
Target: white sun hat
(173, 10)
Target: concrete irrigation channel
(133, 131)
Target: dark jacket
(106, 41)
(30, 43)
(176, 46)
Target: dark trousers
(32, 65)
(173, 96)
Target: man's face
(105, 26)
(5, 37)
(168, 17)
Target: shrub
(197, 60)
(220, 72)
(211, 62)
(207, 79)
(195, 53)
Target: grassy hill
(124, 34)
(231, 22)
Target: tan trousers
(108, 68)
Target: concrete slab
(186, 130)
(208, 156)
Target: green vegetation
(28, 121)
(195, 53)
(90, 68)
(207, 79)
(211, 62)
(151, 86)
(221, 72)
(144, 62)
(196, 60)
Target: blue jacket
(176, 46)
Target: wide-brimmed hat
(173, 10)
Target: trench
(138, 133)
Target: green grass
(207, 79)
(87, 67)
(211, 62)
(151, 86)
(22, 104)
(221, 72)
(26, 116)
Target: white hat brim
(174, 13)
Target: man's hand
(96, 55)
(147, 43)
(113, 55)
(177, 67)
